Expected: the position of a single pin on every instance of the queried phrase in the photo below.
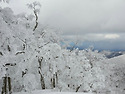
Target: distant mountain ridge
(108, 54)
(111, 54)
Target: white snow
(115, 74)
(41, 63)
(50, 92)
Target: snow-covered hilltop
(119, 59)
(115, 73)
(34, 60)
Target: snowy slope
(116, 62)
(120, 60)
(115, 74)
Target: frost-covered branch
(35, 6)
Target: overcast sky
(95, 21)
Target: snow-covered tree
(35, 60)
(35, 6)
(6, 1)
(21, 46)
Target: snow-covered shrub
(78, 73)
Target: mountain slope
(119, 59)
(115, 74)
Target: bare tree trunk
(77, 89)
(56, 78)
(40, 72)
(6, 89)
(35, 26)
(36, 21)
(42, 81)
(54, 81)
(9, 85)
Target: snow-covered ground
(50, 92)
(119, 59)
(115, 74)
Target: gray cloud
(92, 20)
(84, 16)
(80, 15)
